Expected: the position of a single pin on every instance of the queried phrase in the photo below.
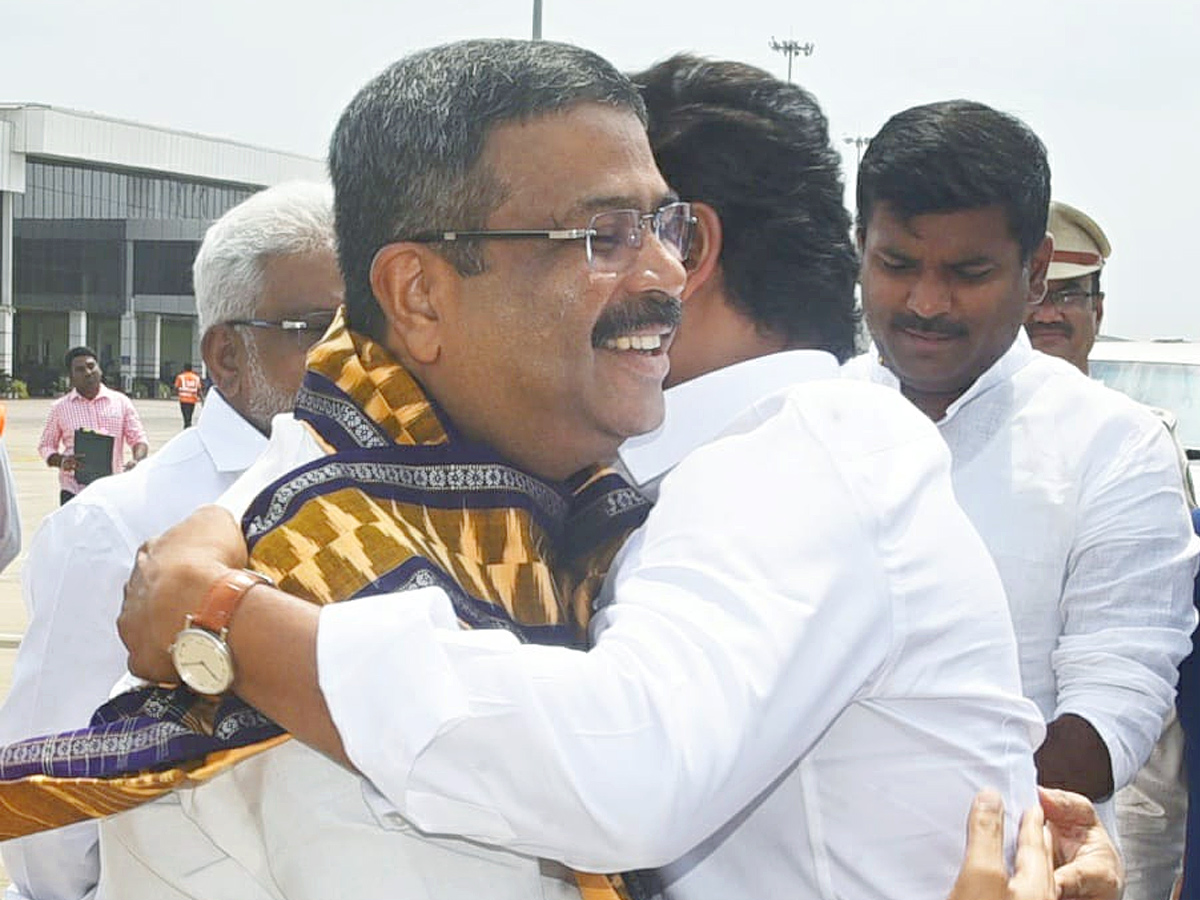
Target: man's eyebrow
(892, 251)
(593, 205)
(982, 259)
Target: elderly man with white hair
(267, 285)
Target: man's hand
(1089, 867)
(984, 876)
(65, 461)
(169, 580)
(1075, 758)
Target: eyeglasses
(611, 238)
(1069, 298)
(306, 330)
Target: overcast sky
(1110, 86)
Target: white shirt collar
(230, 441)
(1015, 358)
(699, 410)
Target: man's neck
(933, 404)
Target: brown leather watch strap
(223, 598)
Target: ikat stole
(401, 500)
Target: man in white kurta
(1075, 491)
(807, 636)
(1074, 488)
(80, 558)
(70, 655)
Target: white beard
(266, 399)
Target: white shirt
(1075, 489)
(289, 824)
(72, 584)
(806, 674)
(10, 515)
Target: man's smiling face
(551, 344)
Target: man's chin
(642, 420)
(1049, 341)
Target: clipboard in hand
(97, 452)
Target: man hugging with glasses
(781, 661)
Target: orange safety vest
(187, 386)
(3, 416)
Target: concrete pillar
(149, 345)
(129, 341)
(196, 358)
(6, 340)
(6, 282)
(77, 328)
(129, 349)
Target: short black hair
(757, 150)
(958, 155)
(76, 352)
(404, 155)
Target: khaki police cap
(1080, 246)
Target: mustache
(645, 310)
(906, 321)
(1043, 327)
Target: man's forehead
(963, 227)
(296, 284)
(576, 162)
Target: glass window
(1170, 386)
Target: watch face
(202, 660)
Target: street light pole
(791, 49)
(860, 144)
(537, 20)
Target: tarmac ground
(37, 496)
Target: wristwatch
(200, 653)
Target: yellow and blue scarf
(400, 500)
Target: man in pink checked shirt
(91, 405)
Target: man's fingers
(1034, 875)
(985, 828)
(1090, 867)
(1067, 809)
(983, 875)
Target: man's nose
(1044, 312)
(929, 296)
(657, 267)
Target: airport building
(100, 220)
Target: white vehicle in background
(1164, 374)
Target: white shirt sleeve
(732, 646)
(72, 582)
(1127, 602)
(10, 515)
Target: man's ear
(1098, 306)
(411, 283)
(1039, 264)
(704, 258)
(224, 355)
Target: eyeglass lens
(1073, 297)
(614, 237)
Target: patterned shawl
(400, 500)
